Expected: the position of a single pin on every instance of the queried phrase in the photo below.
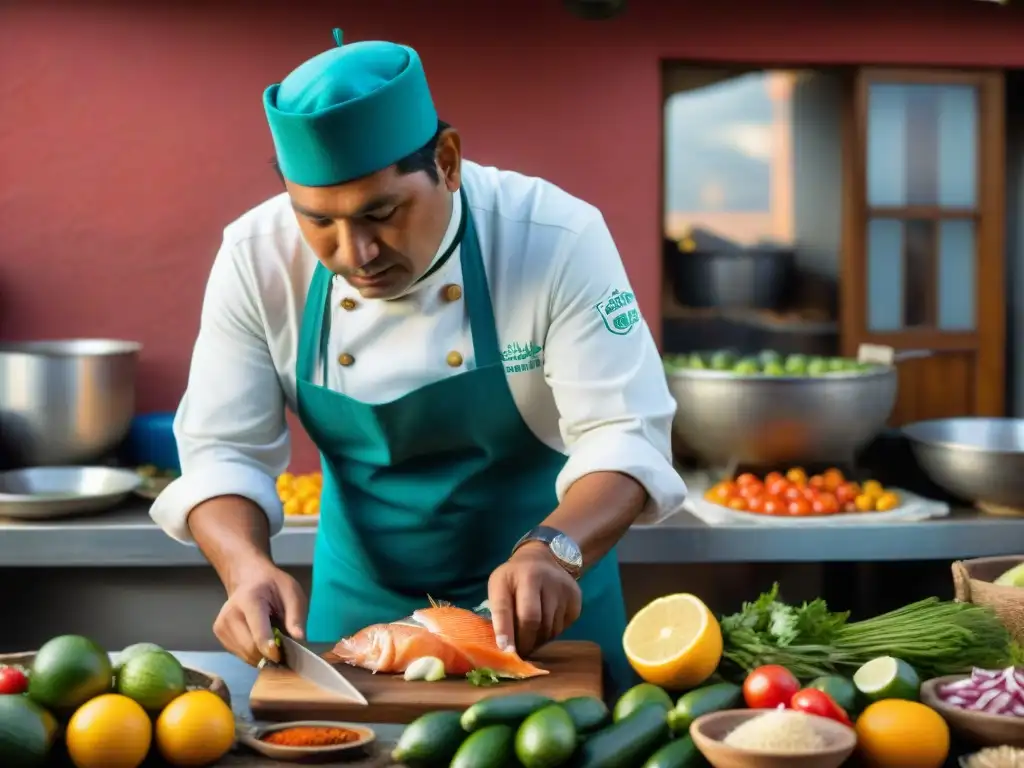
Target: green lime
(637, 696)
(24, 733)
(132, 651)
(68, 671)
(152, 678)
(842, 691)
(887, 678)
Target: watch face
(565, 549)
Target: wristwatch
(565, 551)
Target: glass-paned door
(923, 252)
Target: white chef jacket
(589, 388)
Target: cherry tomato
(811, 701)
(746, 479)
(774, 506)
(756, 504)
(833, 478)
(778, 487)
(797, 476)
(771, 477)
(12, 681)
(769, 686)
(817, 481)
(849, 507)
(810, 493)
(825, 504)
(738, 503)
(847, 492)
(800, 508)
(751, 489)
(794, 493)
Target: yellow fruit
(311, 506)
(110, 731)
(886, 502)
(864, 503)
(197, 728)
(872, 488)
(902, 734)
(293, 507)
(674, 642)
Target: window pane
(885, 275)
(957, 261)
(922, 145)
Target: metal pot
(976, 459)
(724, 418)
(65, 402)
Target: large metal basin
(65, 402)
(766, 420)
(976, 459)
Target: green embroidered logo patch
(619, 312)
(519, 358)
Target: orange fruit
(674, 641)
(110, 731)
(195, 729)
(893, 733)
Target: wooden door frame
(989, 214)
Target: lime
(887, 678)
(68, 671)
(842, 691)
(152, 678)
(132, 651)
(637, 696)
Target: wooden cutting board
(280, 694)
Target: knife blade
(310, 666)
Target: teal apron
(427, 494)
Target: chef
(463, 347)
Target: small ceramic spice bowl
(255, 737)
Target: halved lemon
(674, 641)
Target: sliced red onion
(998, 705)
(984, 700)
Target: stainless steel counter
(127, 537)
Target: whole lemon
(902, 734)
(110, 731)
(195, 729)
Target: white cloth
(584, 386)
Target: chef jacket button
(451, 292)
(345, 359)
(348, 304)
(454, 359)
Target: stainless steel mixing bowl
(65, 402)
(976, 459)
(42, 493)
(765, 420)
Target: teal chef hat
(349, 112)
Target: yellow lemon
(197, 728)
(311, 506)
(293, 507)
(674, 642)
(110, 731)
(872, 488)
(902, 734)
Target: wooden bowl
(709, 732)
(252, 737)
(981, 728)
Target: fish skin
(461, 639)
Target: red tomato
(746, 479)
(771, 477)
(817, 482)
(847, 492)
(778, 487)
(800, 508)
(774, 506)
(755, 504)
(814, 702)
(849, 507)
(769, 686)
(751, 489)
(833, 478)
(738, 503)
(826, 504)
(12, 680)
(811, 494)
(793, 493)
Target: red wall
(130, 133)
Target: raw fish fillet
(461, 639)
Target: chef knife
(310, 666)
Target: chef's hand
(243, 624)
(532, 599)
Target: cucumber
(489, 747)
(627, 743)
(588, 714)
(637, 696)
(701, 701)
(430, 741)
(546, 739)
(681, 753)
(504, 710)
